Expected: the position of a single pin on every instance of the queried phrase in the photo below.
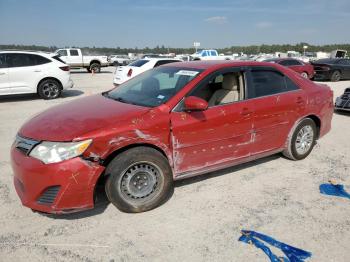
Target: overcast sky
(174, 23)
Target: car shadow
(71, 93)
(342, 113)
(102, 201)
(31, 97)
(86, 72)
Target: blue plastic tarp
(292, 254)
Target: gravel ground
(203, 218)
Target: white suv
(23, 72)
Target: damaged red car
(169, 123)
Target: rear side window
(139, 63)
(74, 52)
(21, 60)
(2, 61)
(163, 62)
(269, 82)
(294, 63)
(58, 59)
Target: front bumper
(56, 188)
(322, 75)
(342, 104)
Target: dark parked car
(304, 69)
(175, 121)
(333, 69)
(343, 102)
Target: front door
(221, 134)
(4, 76)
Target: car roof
(217, 64)
(159, 59)
(46, 54)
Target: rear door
(278, 103)
(25, 71)
(217, 136)
(4, 75)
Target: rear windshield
(139, 63)
(56, 57)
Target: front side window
(220, 89)
(269, 82)
(2, 61)
(62, 53)
(154, 87)
(74, 52)
(294, 63)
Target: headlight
(53, 152)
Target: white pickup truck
(209, 54)
(75, 59)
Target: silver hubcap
(140, 180)
(304, 140)
(304, 75)
(50, 90)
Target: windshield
(154, 87)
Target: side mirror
(193, 103)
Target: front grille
(49, 196)
(25, 145)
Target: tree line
(251, 49)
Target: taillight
(130, 72)
(64, 68)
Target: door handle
(37, 71)
(245, 111)
(2, 73)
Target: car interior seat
(228, 93)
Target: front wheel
(335, 76)
(302, 141)
(49, 89)
(305, 75)
(140, 179)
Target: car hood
(71, 120)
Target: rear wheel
(302, 141)
(49, 89)
(335, 76)
(95, 67)
(140, 179)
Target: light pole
(305, 47)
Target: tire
(140, 179)
(305, 75)
(49, 89)
(302, 141)
(96, 67)
(335, 76)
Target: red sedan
(169, 123)
(304, 69)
